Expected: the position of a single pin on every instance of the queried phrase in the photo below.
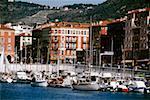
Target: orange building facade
(66, 39)
(7, 41)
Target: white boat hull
(9, 80)
(140, 90)
(39, 83)
(86, 87)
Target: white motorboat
(117, 85)
(67, 82)
(84, 85)
(39, 80)
(21, 77)
(39, 83)
(6, 79)
(112, 85)
(9, 80)
(138, 86)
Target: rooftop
(138, 10)
(3, 27)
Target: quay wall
(34, 67)
(68, 67)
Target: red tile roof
(139, 10)
(3, 27)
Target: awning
(142, 60)
(127, 61)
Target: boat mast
(112, 43)
(91, 47)
(123, 61)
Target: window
(73, 39)
(68, 31)
(67, 39)
(74, 46)
(62, 31)
(73, 31)
(9, 40)
(2, 40)
(87, 32)
(9, 52)
(79, 32)
(62, 45)
(62, 53)
(63, 38)
(9, 34)
(67, 45)
(84, 32)
(55, 38)
(84, 39)
(20, 30)
(55, 31)
(2, 34)
(68, 52)
(84, 46)
(9, 47)
(55, 52)
(74, 53)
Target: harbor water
(27, 92)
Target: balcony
(55, 48)
(74, 39)
(70, 48)
(54, 40)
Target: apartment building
(7, 41)
(117, 33)
(100, 41)
(23, 34)
(137, 37)
(61, 40)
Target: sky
(55, 3)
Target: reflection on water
(26, 92)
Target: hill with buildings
(30, 13)
(106, 10)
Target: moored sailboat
(85, 85)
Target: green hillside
(13, 11)
(107, 10)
